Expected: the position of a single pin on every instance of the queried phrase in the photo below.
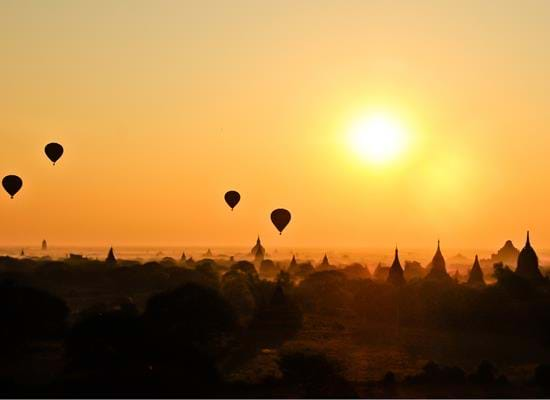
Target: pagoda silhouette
(258, 251)
(325, 264)
(528, 262)
(395, 275)
(293, 263)
(438, 270)
(476, 274)
(111, 259)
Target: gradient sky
(162, 106)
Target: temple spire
(111, 259)
(476, 274)
(395, 275)
(437, 266)
(528, 262)
(293, 262)
(258, 251)
(325, 264)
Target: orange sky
(162, 106)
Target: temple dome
(528, 262)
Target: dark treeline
(77, 328)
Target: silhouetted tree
(485, 374)
(29, 314)
(324, 291)
(301, 271)
(435, 374)
(542, 377)
(190, 313)
(356, 271)
(278, 320)
(245, 267)
(108, 340)
(314, 375)
(239, 287)
(268, 269)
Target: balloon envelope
(12, 184)
(232, 198)
(54, 151)
(280, 218)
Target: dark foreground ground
(215, 328)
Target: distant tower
(438, 270)
(22, 254)
(257, 247)
(476, 274)
(528, 262)
(395, 276)
(44, 245)
(258, 251)
(293, 263)
(111, 259)
(208, 253)
(325, 264)
(183, 257)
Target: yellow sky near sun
(162, 106)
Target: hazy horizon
(340, 256)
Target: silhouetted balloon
(54, 151)
(280, 218)
(12, 184)
(232, 198)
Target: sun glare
(378, 138)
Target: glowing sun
(378, 138)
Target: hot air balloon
(232, 198)
(54, 151)
(12, 184)
(280, 218)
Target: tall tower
(325, 264)
(293, 263)
(111, 259)
(258, 251)
(438, 270)
(395, 276)
(476, 274)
